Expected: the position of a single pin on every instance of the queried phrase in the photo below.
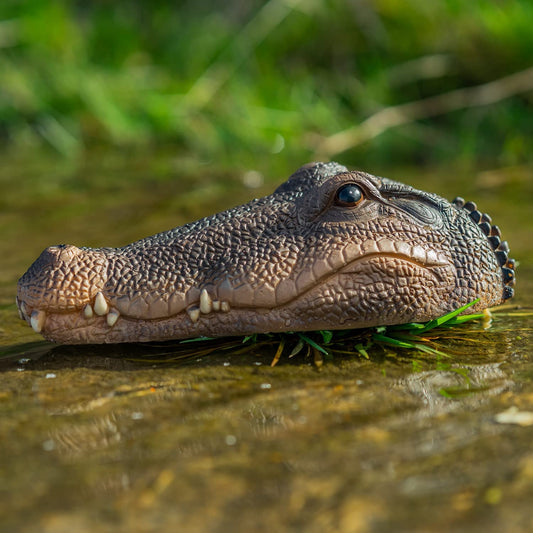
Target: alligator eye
(348, 195)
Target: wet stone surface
(125, 438)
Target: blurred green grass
(238, 82)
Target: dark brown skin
(329, 249)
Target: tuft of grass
(410, 336)
(425, 338)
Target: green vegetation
(411, 336)
(427, 338)
(439, 340)
(242, 82)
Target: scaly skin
(303, 258)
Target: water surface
(95, 438)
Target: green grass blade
(297, 349)
(465, 318)
(313, 343)
(362, 350)
(445, 318)
(197, 339)
(326, 335)
(393, 342)
(430, 350)
(414, 326)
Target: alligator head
(329, 249)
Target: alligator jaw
(99, 321)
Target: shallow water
(95, 438)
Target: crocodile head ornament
(329, 249)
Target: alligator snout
(63, 278)
(52, 259)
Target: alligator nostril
(54, 255)
(64, 252)
(62, 278)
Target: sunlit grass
(431, 338)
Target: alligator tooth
(194, 314)
(21, 316)
(484, 227)
(112, 317)
(216, 305)
(501, 256)
(88, 311)
(37, 320)
(470, 206)
(100, 305)
(206, 304)
(22, 308)
(475, 215)
(224, 306)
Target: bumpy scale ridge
(494, 236)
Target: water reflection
(458, 388)
(76, 440)
(127, 434)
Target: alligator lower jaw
(74, 328)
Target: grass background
(244, 82)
